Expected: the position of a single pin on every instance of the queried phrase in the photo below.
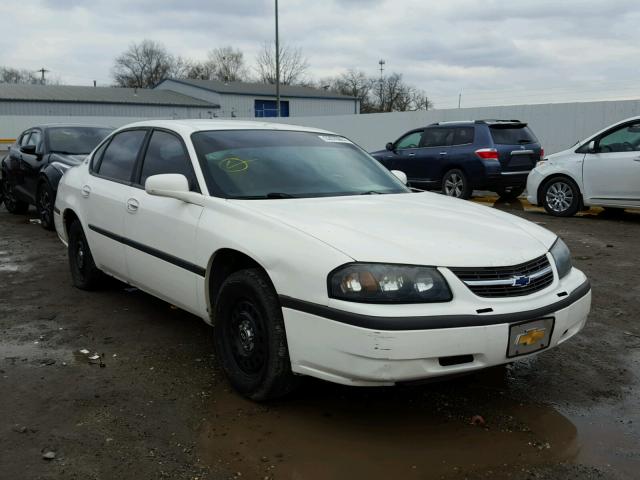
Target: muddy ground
(156, 405)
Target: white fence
(557, 125)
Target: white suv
(603, 170)
(310, 258)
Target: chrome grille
(515, 281)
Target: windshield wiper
(279, 195)
(270, 195)
(64, 152)
(372, 192)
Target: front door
(611, 174)
(161, 231)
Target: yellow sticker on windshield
(233, 164)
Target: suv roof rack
(450, 122)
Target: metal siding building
(247, 100)
(22, 106)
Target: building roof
(113, 95)
(263, 89)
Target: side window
(24, 139)
(625, 139)
(411, 140)
(463, 135)
(95, 160)
(35, 139)
(166, 154)
(120, 156)
(438, 137)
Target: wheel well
(223, 263)
(553, 177)
(68, 217)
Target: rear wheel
(45, 199)
(561, 197)
(455, 184)
(509, 193)
(84, 273)
(11, 203)
(249, 337)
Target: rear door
(14, 165)
(105, 193)
(611, 175)
(518, 148)
(161, 231)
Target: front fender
(52, 175)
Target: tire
(84, 273)
(455, 184)
(45, 200)
(11, 203)
(561, 197)
(249, 337)
(509, 193)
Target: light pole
(277, 66)
(381, 62)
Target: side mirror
(401, 176)
(592, 146)
(172, 185)
(389, 146)
(28, 149)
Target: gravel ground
(155, 405)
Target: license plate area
(530, 336)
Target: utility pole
(381, 62)
(459, 99)
(277, 65)
(42, 71)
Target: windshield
(258, 164)
(75, 140)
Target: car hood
(68, 159)
(419, 228)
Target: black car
(459, 157)
(30, 173)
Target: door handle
(443, 153)
(86, 190)
(132, 205)
(411, 154)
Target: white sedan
(309, 258)
(602, 170)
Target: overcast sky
(494, 52)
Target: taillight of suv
(487, 153)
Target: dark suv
(459, 157)
(30, 173)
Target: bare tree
(227, 64)
(143, 65)
(293, 65)
(354, 84)
(392, 94)
(19, 75)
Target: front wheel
(249, 336)
(11, 203)
(45, 199)
(455, 184)
(561, 197)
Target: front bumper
(534, 180)
(345, 352)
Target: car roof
(189, 126)
(486, 121)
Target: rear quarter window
(512, 135)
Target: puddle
(332, 432)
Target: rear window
(512, 135)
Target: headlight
(383, 283)
(562, 257)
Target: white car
(603, 171)
(309, 258)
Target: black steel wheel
(45, 200)
(84, 273)
(11, 203)
(249, 336)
